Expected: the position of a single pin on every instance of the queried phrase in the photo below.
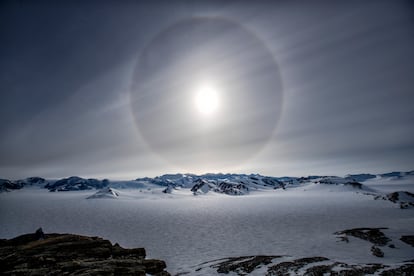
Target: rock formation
(67, 254)
(286, 265)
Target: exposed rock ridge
(67, 254)
(286, 266)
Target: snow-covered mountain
(202, 186)
(187, 180)
(230, 184)
(75, 183)
(397, 174)
(105, 193)
(7, 185)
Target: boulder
(377, 252)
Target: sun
(207, 100)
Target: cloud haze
(107, 89)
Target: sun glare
(206, 100)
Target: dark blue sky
(108, 88)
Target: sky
(126, 89)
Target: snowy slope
(392, 182)
(187, 230)
(105, 193)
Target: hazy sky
(125, 89)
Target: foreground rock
(286, 265)
(281, 265)
(66, 254)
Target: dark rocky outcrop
(232, 188)
(360, 177)
(245, 264)
(377, 252)
(202, 186)
(408, 239)
(333, 180)
(284, 268)
(403, 270)
(75, 183)
(373, 235)
(35, 180)
(9, 185)
(404, 199)
(67, 254)
(168, 190)
(394, 174)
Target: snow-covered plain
(186, 230)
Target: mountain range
(230, 184)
